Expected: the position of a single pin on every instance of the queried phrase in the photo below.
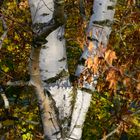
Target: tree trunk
(44, 22)
(98, 33)
(51, 80)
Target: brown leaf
(127, 82)
(95, 65)
(95, 69)
(89, 62)
(110, 75)
(110, 56)
(131, 2)
(138, 87)
(112, 84)
(96, 60)
(101, 50)
(111, 78)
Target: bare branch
(82, 9)
(30, 122)
(6, 74)
(5, 99)
(5, 31)
(18, 83)
(120, 125)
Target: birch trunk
(54, 71)
(53, 76)
(98, 33)
(45, 20)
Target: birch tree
(52, 76)
(64, 107)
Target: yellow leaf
(8, 122)
(5, 69)
(95, 65)
(95, 69)
(10, 48)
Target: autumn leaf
(90, 47)
(89, 62)
(111, 78)
(130, 2)
(101, 50)
(95, 64)
(23, 5)
(110, 56)
(96, 60)
(110, 75)
(126, 82)
(138, 87)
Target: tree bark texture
(49, 71)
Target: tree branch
(82, 10)
(5, 99)
(42, 30)
(18, 83)
(5, 31)
(120, 125)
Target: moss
(62, 74)
(103, 22)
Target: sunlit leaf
(110, 56)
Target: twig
(119, 126)
(6, 74)
(18, 83)
(132, 78)
(5, 99)
(82, 10)
(115, 68)
(111, 133)
(5, 31)
(30, 122)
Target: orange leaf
(95, 69)
(96, 60)
(89, 62)
(112, 84)
(90, 47)
(110, 56)
(110, 75)
(95, 65)
(138, 87)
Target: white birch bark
(54, 71)
(43, 22)
(53, 62)
(100, 26)
(4, 97)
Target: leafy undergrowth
(21, 120)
